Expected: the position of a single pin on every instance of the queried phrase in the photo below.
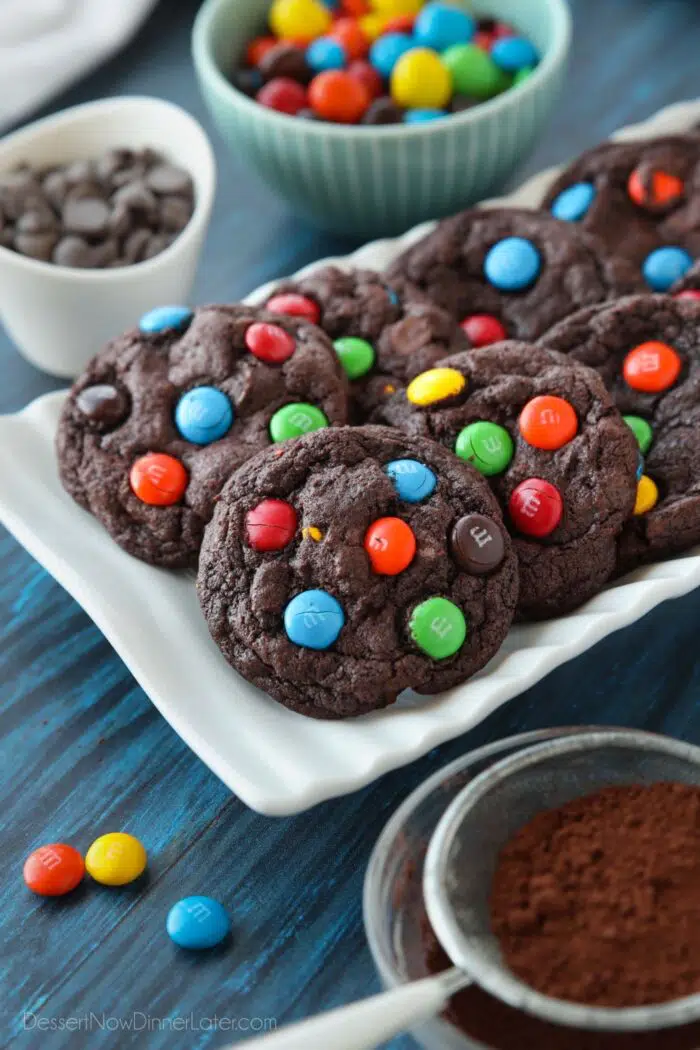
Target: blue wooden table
(84, 752)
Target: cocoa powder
(598, 901)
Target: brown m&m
(477, 544)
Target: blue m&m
(198, 923)
(664, 266)
(203, 415)
(393, 297)
(573, 203)
(441, 25)
(387, 50)
(412, 480)
(163, 318)
(325, 53)
(422, 116)
(512, 264)
(513, 53)
(313, 619)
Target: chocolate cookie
(647, 350)
(642, 199)
(162, 416)
(559, 457)
(521, 269)
(343, 568)
(382, 339)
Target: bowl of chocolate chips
(103, 212)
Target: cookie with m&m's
(545, 433)
(647, 350)
(383, 339)
(509, 273)
(160, 418)
(639, 198)
(343, 568)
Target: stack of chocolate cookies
(376, 473)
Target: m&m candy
(413, 481)
(656, 189)
(314, 619)
(422, 116)
(356, 355)
(158, 479)
(419, 80)
(536, 507)
(387, 50)
(477, 544)
(642, 431)
(165, 318)
(440, 25)
(203, 415)
(396, 8)
(438, 627)
(652, 367)
(269, 342)
(258, 48)
(350, 35)
(198, 923)
(664, 266)
(437, 384)
(513, 53)
(325, 53)
(296, 419)
(574, 203)
(367, 75)
(487, 446)
(294, 305)
(474, 72)
(116, 859)
(271, 525)
(301, 20)
(338, 96)
(483, 330)
(548, 422)
(692, 294)
(391, 546)
(53, 870)
(512, 264)
(282, 94)
(647, 496)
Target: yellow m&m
(396, 8)
(420, 80)
(299, 19)
(437, 384)
(115, 859)
(647, 495)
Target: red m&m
(283, 94)
(548, 422)
(391, 545)
(535, 507)
(655, 189)
(690, 293)
(483, 329)
(294, 305)
(269, 343)
(158, 479)
(53, 870)
(651, 367)
(271, 525)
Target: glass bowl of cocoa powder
(405, 948)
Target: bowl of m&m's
(370, 116)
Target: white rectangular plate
(276, 761)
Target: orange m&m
(158, 479)
(338, 96)
(53, 870)
(548, 422)
(651, 367)
(350, 35)
(391, 545)
(258, 48)
(657, 190)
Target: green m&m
(486, 446)
(438, 627)
(296, 419)
(474, 72)
(642, 431)
(356, 355)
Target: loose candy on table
(314, 619)
(356, 355)
(513, 53)
(294, 420)
(477, 544)
(512, 264)
(53, 870)
(391, 546)
(483, 330)
(299, 19)
(664, 266)
(536, 507)
(198, 923)
(438, 627)
(271, 525)
(203, 415)
(486, 445)
(284, 95)
(574, 203)
(158, 479)
(440, 25)
(413, 481)
(548, 422)
(294, 305)
(474, 72)
(116, 859)
(419, 80)
(338, 96)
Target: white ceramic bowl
(59, 317)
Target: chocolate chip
(157, 244)
(285, 60)
(72, 251)
(112, 161)
(36, 245)
(120, 221)
(83, 190)
(383, 111)
(37, 221)
(87, 217)
(175, 213)
(79, 171)
(106, 252)
(167, 178)
(477, 544)
(136, 197)
(135, 245)
(55, 186)
(102, 404)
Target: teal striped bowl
(380, 181)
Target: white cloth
(47, 44)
